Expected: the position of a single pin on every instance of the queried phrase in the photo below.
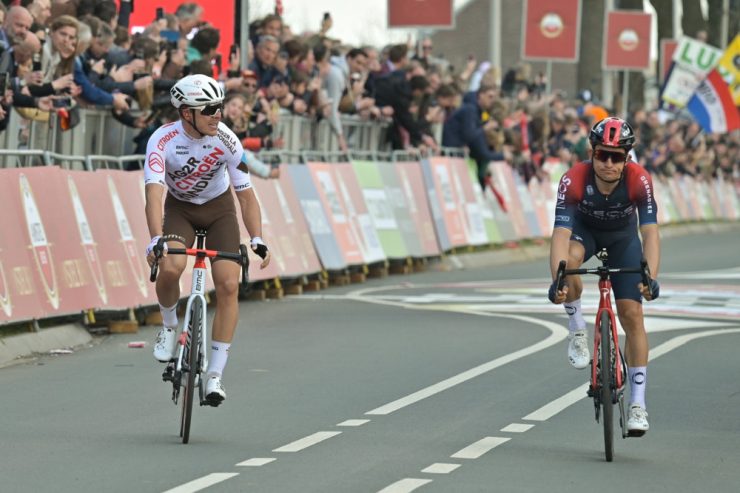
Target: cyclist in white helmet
(195, 160)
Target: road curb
(68, 336)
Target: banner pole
(625, 93)
(548, 85)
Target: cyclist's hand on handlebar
(150, 250)
(260, 248)
(556, 296)
(651, 291)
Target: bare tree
(664, 10)
(590, 75)
(714, 24)
(693, 19)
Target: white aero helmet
(196, 91)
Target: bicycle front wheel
(607, 376)
(196, 311)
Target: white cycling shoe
(578, 353)
(164, 346)
(637, 423)
(215, 392)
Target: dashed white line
(256, 461)
(308, 441)
(405, 485)
(554, 407)
(202, 483)
(475, 450)
(440, 468)
(354, 422)
(517, 428)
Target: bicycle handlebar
(242, 257)
(602, 271)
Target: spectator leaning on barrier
(204, 44)
(466, 128)
(332, 82)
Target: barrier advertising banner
(551, 30)
(487, 213)
(317, 218)
(411, 180)
(503, 178)
(692, 62)
(627, 40)
(450, 206)
(420, 13)
(380, 208)
(472, 213)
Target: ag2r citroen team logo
(39, 243)
(551, 25)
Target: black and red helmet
(612, 132)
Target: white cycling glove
(153, 243)
(259, 247)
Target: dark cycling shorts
(624, 249)
(217, 217)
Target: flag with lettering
(692, 62)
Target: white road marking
(554, 407)
(405, 485)
(475, 450)
(354, 422)
(557, 334)
(308, 441)
(256, 461)
(440, 468)
(203, 483)
(517, 428)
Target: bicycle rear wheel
(607, 376)
(192, 361)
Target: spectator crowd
(61, 55)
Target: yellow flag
(729, 68)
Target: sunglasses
(604, 156)
(212, 109)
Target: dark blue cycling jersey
(580, 199)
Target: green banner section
(378, 198)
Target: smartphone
(62, 103)
(160, 13)
(232, 51)
(327, 15)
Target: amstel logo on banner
(39, 243)
(127, 238)
(551, 25)
(628, 40)
(87, 241)
(5, 293)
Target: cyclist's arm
(251, 213)
(154, 220)
(559, 246)
(651, 247)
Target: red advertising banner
(420, 13)
(220, 15)
(285, 231)
(551, 30)
(627, 40)
(667, 48)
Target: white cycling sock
(638, 381)
(576, 321)
(219, 356)
(169, 315)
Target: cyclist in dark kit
(598, 206)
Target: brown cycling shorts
(217, 217)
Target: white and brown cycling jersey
(195, 170)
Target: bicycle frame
(605, 304)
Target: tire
(196, 311)
(607, 378)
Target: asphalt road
(435, 382)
